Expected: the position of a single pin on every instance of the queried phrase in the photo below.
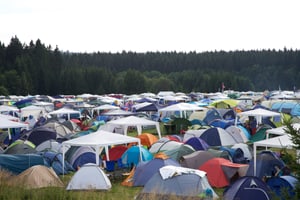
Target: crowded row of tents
(105, 137)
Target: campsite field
(117, 192)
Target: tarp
(99, 140)
(131, 121)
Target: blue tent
(145, 170)
(131, 157)
(39, 135)
(197, 143)
(265, 163)
(18, 163)
(247, 188)
(281, 184)
(218, 137)
(55, 161)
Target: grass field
(117, 192)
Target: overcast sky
(153, 25)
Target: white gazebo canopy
(99, 140)
(258, 113)
(182, 108)
(125, 122)
(65, 111)
(283, 141)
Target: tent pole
(254, 164)
(63, 158)
(140, 148)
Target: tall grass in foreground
(117, 192)
(7, 191)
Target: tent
(40, 134)
(221, 172)
(283, 183)
(197, 143)
(17, 163)
(20, 147)
(38, 176)
(218, 137)
(182, 108)
(247, 188)
(35, 111)
(164, 144)
(89, 177)
(283, 141)
(240, 134)
(99, 140)
(147, 139)
(145, 170)
(170, 181)
(177, 153)
(66, 113)
(135, 154)
(225, 103)
(145, 107)
(61, 130)
(258, 113)
(105, 107)
(195, 159)
(8, 124)
(125, 122)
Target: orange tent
(147, 139)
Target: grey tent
(178, 181)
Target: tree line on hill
(38, 69)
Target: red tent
(116, 152)
(221, 172)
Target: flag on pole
(223, 86)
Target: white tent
(89, 177)
(258, 113)
(99, 140)
(6, 109)
(182, 108)
(7, 124)
(283, 141)
(280, 130)
(35, 111)
(65, 111)
(125, 122)
(105, 107)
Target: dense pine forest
(36, 68)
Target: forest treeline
(36, 68)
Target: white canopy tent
(280, 130)
(35, 111)
(99, 140)
(125, 122)
(258, 113)
(6, 109)
(283, 141)
(64, 111)
(107, 107)
(182, 108)
(7, 124)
